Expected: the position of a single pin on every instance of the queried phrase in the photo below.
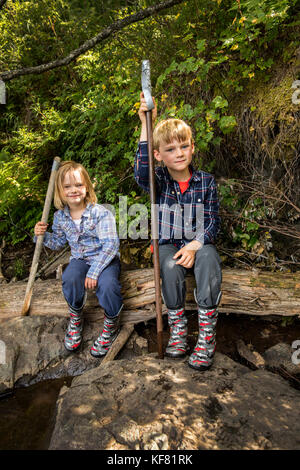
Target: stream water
(27, 417)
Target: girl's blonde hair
(168, 130)
(70, 166)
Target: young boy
(180, 188)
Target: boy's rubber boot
(177, 345)
(202, 356)
(73, 336)
(111, 328)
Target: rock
(281, 356)
(35, 351)
(153, 404)
(141, 402)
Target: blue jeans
(108, 289)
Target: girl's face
(74, 189)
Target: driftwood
(248, 292)
(252, 357)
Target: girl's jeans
(108, 290)
(207, 272)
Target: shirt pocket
(65, 227)
(90, 229)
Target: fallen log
(246, 292)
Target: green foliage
(202, 57)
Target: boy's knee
(169, 265)
(207, 258)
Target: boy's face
(176, 155)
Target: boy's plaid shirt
(200, 198)
(96, 241)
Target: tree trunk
(249, 292)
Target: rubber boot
(177, 345)
(111, 328)
(202, 356)
(73, 337)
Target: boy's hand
(188, 253)
(90, 283)
(144, 108)
(40, 228)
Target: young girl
(90, 230)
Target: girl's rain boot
(111, 328)
(73, 335)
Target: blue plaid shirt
(96, 241)
(200, 197)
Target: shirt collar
(86, 212)
(194, 174)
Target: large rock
(34, 351)
(163, 404)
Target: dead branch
(117, 345)
(90, 43)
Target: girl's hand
(40, 228)
(90, 283)
(144, 108)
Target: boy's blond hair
(168, 130)
(70, 166)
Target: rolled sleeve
(57, 239)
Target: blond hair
(66, 167)
(168, 130)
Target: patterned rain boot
(73, 335)
(202, 356)
(111, 328)
(177, 345)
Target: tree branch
(90, 43)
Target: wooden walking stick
(40, 238)
(146, 87)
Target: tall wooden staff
(40, 238)
(146, 87)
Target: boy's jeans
(207, 271)
(108, 290)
